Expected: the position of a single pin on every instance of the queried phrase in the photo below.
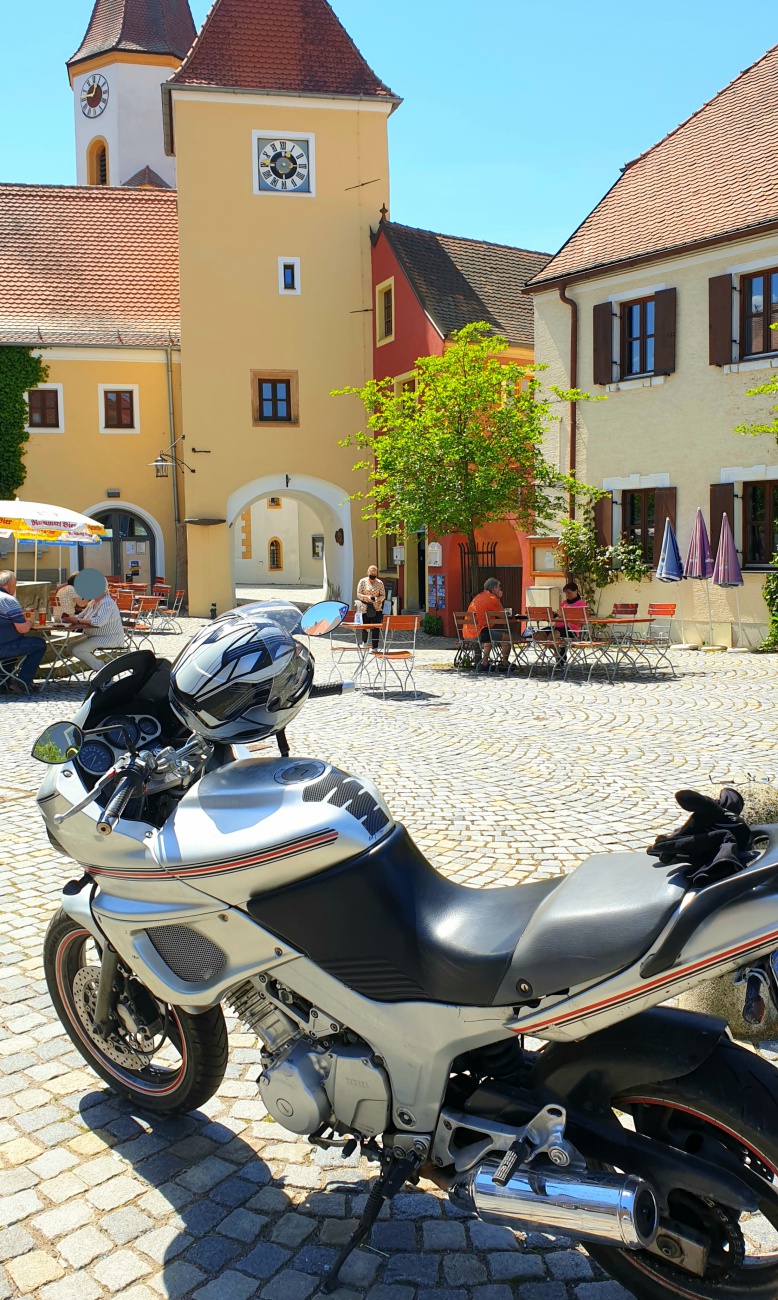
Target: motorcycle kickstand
(392, 1178)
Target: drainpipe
(172, 427)
(573, 305)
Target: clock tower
(130, 48)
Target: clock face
(94, 95)
(284, 166)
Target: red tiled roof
(712, 176)
(458, 281)
(88, 265)
(292, 46)
(138, 26)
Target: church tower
(130, 48)
(279, 128)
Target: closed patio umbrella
(699, 562)
(670, 566)
(726, 570)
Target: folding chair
(543, 641)
(581, 644)
(397, 652)
(167, 614)
(623, 611)
(658, 637)
(139, 623)
(468, 652)
(9, 672)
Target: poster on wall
(441, 590)
(432, 597)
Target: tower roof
(137, 27)
(289, 46)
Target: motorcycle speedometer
(121, 730)
(96, 758)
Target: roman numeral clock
(94, 95)
(284, 166)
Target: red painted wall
(414, 334)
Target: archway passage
(290, 538)
(128, 551)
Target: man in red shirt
(487, 600)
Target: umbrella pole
(35, 573)
(16, 554)
(739, 620)
(710, 614)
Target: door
(129, 550)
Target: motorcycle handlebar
(333, 688)
(129, 785)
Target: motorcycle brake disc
(119, 1051)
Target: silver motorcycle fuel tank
(260, 823)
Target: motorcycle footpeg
(514, 1156)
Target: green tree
(19, 371)
(465, 448)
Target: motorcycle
(394, 1007)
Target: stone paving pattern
(499, 781)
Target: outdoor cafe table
(623, 642)
(57, 637)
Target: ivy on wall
(19, 371)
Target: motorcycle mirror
(58, 743)
(323, 618)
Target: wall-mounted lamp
(165, 459)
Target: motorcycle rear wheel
(182, 1074)
(731, 1099)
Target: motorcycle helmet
(240, 680)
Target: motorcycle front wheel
(730, 1102)
(159, 1057)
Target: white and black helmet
(239, 679)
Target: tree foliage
(19, 371)
(593, 566)
(770, 389)
(463, 447)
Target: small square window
(274, 503)
(274, 397)
(43, 406)
(289, 276)
(119, 408)
(317, 547)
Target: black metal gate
(508, 575)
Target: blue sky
(516, 117)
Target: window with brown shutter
(43, 406)
(722, 502)
(602, 343)
(759, 311)
(119, 408)
(664, 331)
(638, 320)
(638, 520)
(664, 508)
(760, 522)
(603, 520)
(720, 320)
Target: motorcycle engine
(308, 1081)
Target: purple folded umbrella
(699, 558)
(726, 570)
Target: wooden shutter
(664, 508)
(720, 320)
(602, 343)
(722, 501)
(603, 519)
(664, 332)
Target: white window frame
(380, 289)
(102, 389)
(289, 261)
(36, 428)
(310, 193)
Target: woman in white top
(67, 598)
(102, 624)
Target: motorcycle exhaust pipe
(611, 1209)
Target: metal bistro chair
(168, 615)
(396, 653)
(658, 638)
(543, 642)
(350, 654)
(9, 672)
(468, 652)
(581, 644)
(620, 637)
(139, 622)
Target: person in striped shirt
(102, 626)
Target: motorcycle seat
(603, 918)
(390, 927)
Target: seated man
(102, 626)
(13, 643)
(486, 601)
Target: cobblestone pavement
(498, 781)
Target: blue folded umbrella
(670, 566)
